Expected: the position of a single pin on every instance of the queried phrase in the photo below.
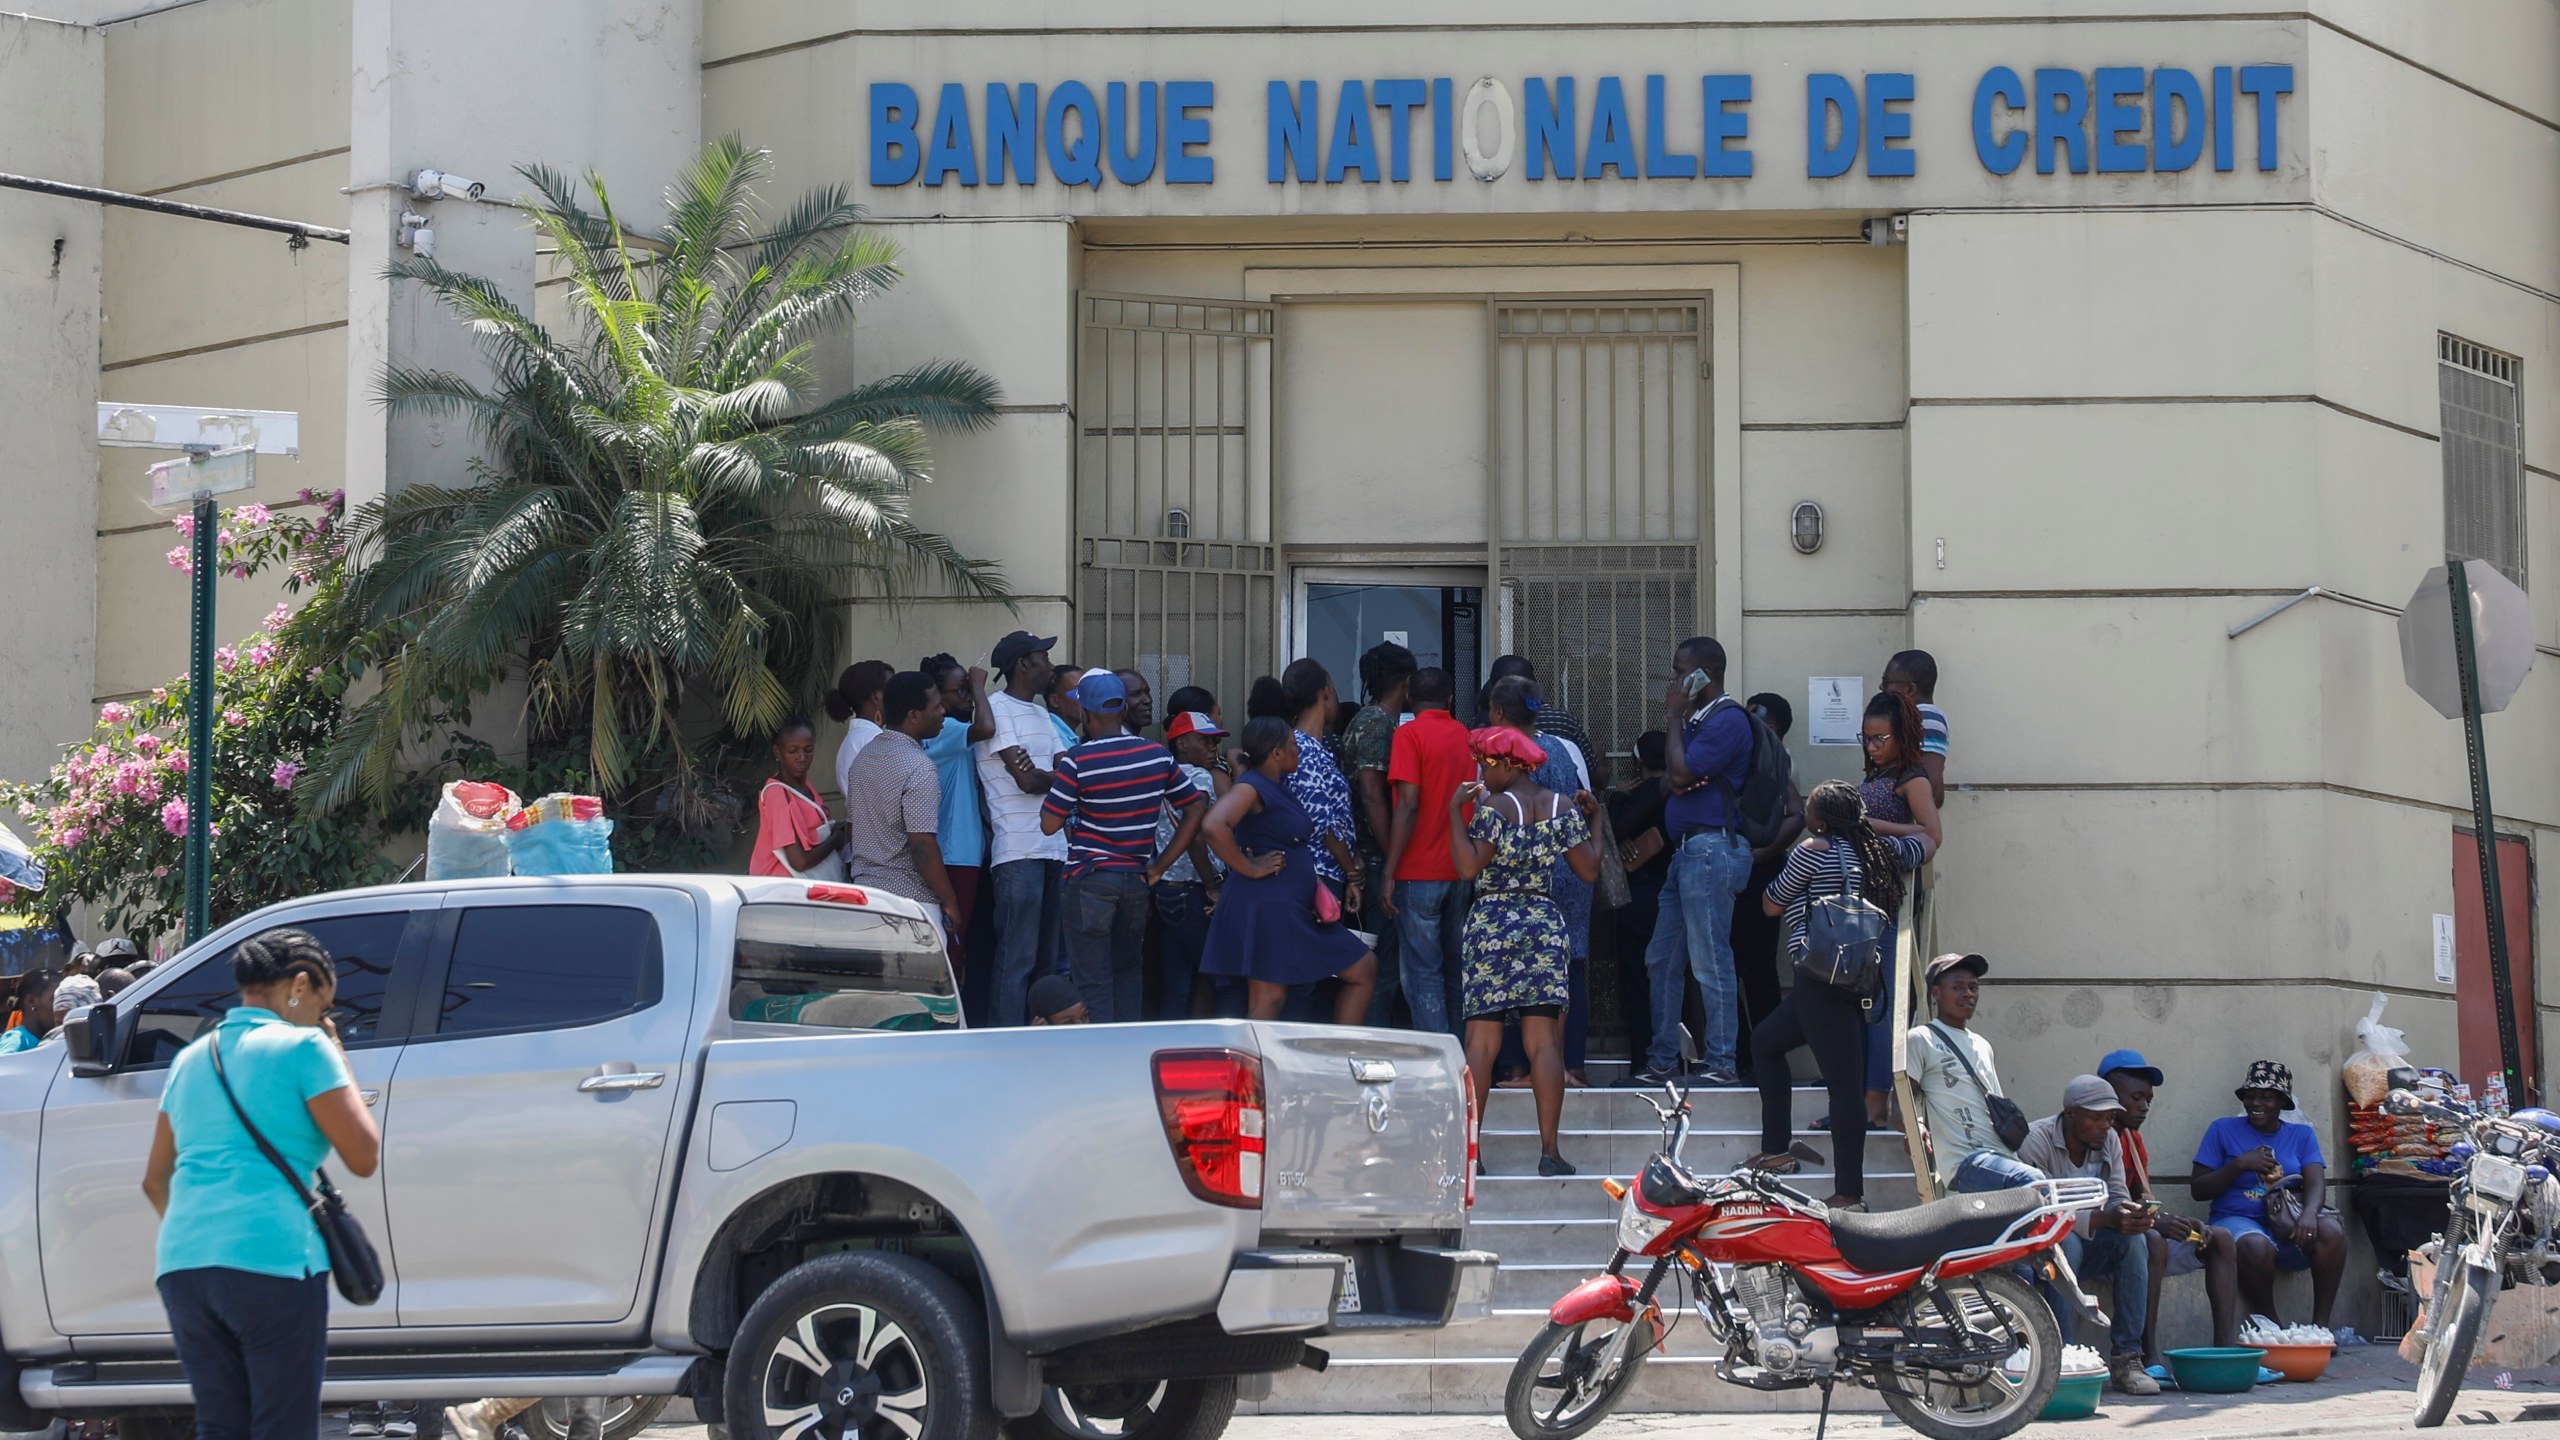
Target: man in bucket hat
(2240, 1160)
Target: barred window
(2483, 428)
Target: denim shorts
(2289, 1256)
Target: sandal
(1844, 1205)
(1779, 1164)
(1554, 1166)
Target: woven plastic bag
(466, 836)
(561, 834)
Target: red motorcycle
(1926, 1305)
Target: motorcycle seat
(1896, 1240)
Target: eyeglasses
(1872, 741)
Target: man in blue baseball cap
(1107, 795)
(2180, 1244)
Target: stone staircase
(1552, 1235)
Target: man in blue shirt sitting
(1708, 758)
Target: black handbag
(1844, 934)
(353, 1263)
(2007, 1120)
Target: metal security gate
(1175, 572)
(1598, 493)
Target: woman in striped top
(1840, 852)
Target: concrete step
(1603, 1108)
(1624, 1153)
(1579, 1197)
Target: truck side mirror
(91, 1037)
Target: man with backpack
(1727, 778)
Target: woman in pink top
(793, 834)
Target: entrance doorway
(1438, 614)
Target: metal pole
(298, 233)
(2466, 660)
(200, 731)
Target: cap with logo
(1016, 645)
(2131, 1063)
(1191, 722)
(1101, 690)
(2088, 1092)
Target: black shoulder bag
(353, 1265)
(2007, 1120)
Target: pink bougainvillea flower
(112, 713)
(72, 838)
(186, 524)
(234, 718)
(277, 617)
(173, 817)
(147, 743)
(259, 655)
(159, 872)
(177, 762)
(149, 791)
(226, 657)
(252, 515)
(214, 830)
(178, 559)
(225, 539)
(283, 774)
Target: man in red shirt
(1422, 892)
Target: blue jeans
(252, 1347)
(1429, 916)
(1990, 1170)
(2124, 1262)
(1182, 932)
(1693, 936)
(1027, 910)
(1107, 913)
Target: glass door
(1438, 614)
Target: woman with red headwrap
(1516, 956)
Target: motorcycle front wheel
(1993, 1398)
(2461, 1310)
(1565, 1382)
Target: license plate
(2497, 1178)
(1350, 1291)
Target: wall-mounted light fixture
(1177, 524)
(1804, 527)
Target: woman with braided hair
(1841, 851)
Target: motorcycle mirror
(2403, 1077)
(1807, 1154)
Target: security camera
(437, 185)
(417, 235)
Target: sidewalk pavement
(2366, 1389)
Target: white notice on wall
(1397, 637)
(2444, 949)
(1832, 706)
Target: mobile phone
(1694, 682)
(2150, 1207)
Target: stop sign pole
(2484, 826)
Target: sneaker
(2126, 1376)
(1715, 1079)
(470, 1422)
(1648, 1079)
(366, 1428)
(399, 1430)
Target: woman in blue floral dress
(1517, 959)
(1303, 695)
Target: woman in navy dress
(1265, 927)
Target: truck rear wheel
(1130, 1410)
(861, 1345)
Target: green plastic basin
(2075, 1397)
(2216, 1371)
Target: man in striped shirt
(1106, 795)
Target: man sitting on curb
(2180, 1244)
(2108, 1244)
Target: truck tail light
(839, 894)
(1211, 1101)
(1475, 1130)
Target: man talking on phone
(2180, 1244)
(1706, 762)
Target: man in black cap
(1055, 1000)
(1025, 864)
(1955, 1075)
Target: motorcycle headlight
(1638, 1228)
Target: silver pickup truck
(728, 1138)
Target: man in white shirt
(1025, 866)
(1955, 1075)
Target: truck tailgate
(1364, 1131)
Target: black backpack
(1762, 805)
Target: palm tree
(668, 520)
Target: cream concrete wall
(203, 314)
(52, 123)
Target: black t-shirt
(1633, 812)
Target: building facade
(2060, 340)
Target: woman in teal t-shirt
(242, 1269)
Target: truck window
(363, 945)
(549, 967)
(840, 969)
